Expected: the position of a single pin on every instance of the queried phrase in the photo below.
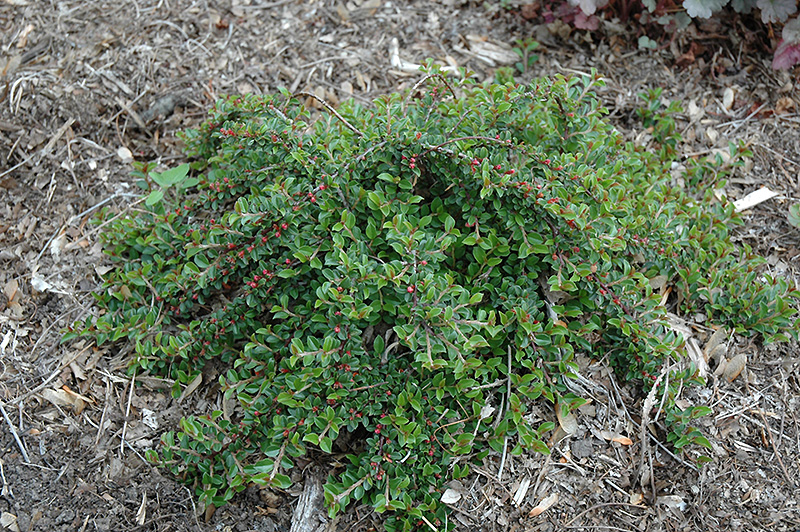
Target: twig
(335, 113)
(75, 243)
(338, 498)
(418, 84)
(596, 506)
(103, 415)
(508, 407)
(127, 413)
(194, 509)
(649, 402)
(775, 449)
(743, 121)
(779, 155)
(14, 433)
(6, 491)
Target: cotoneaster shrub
(374, 283)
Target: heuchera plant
(407, 284)
(677, 14)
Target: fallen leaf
(76, 396)
(672, 501)
(727, 98)
(522, 490)
(568, 422)
(450, 496)
(191, 387)
(58, 397)
(124, 154)
(615, 437)
(141, 514)
(545, 505)
(9, 522)
(735, 367)
(697, 357)
(719, 337)
(784, 105)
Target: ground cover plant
(399, 284)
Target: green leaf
(154, 197)
(325, 444)
(172, 176)
(794, 215)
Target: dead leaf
(522, 490)
(23, 36)
(9, 65)
(735, 367)
(672, 501)
(124, 154)
(727, 98)
(568, 422)
(141, 514)
(658, 282)
(57, 397)
(10, 289)
(530, 11)
(784, 105)
(450, 496)
(191, 387)
(696, 356)
(342, 11)
(493, 53)
(77, 371)
(615, 437)
(9, 522)
(76, 396)
(487, 411)
(720, 336)
(545, 505)
(13, 296)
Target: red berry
(410, 289)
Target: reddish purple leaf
(586, 23)
(786, 55)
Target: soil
(86, 86)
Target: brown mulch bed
(87, 86)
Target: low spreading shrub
(406, 285)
